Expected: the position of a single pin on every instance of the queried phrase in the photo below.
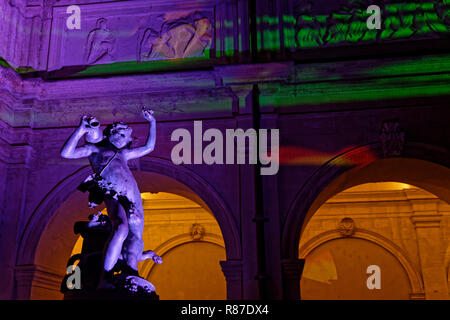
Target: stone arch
(44, 212)
(421, 165)
(413, 274)
(31, 257)
(210, 197)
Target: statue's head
(101, 23)
(119, 134)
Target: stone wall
(330, 105)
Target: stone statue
(113, 183)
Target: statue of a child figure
(114, 184)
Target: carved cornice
(426, 220)
(254, 73)
(15, 148)
(180, 95)
(425, 213)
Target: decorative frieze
(108, 34)
(326, 23)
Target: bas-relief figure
(100, 42)
(113, 183)
(173, 36)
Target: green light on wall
(289, 19)
(19, 70)
(147, 66)
(347, 96)
(399, 21)
(270, 20)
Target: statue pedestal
(121, 295)
(95, 235)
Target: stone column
(273, 226)
(15, 166)
(242, 107)
(426, 219)
(292, 272)
(232, 269)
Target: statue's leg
(120, 232)
(150, 254)
(134, 244)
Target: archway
(400, 229)
(48, 238)
(376, 224)
(335, 176)
(345, 274)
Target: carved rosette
(347, 227)
(197, 232)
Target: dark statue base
(121, 295)
(122, 285)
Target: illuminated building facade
(353, 105)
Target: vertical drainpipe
(259, 219)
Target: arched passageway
(334, 177)
(400, 229)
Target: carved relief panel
(176, 35)
(125, 32)
(323, 23)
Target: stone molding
(29, 276)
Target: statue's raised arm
(138, 152)
(70, 149)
